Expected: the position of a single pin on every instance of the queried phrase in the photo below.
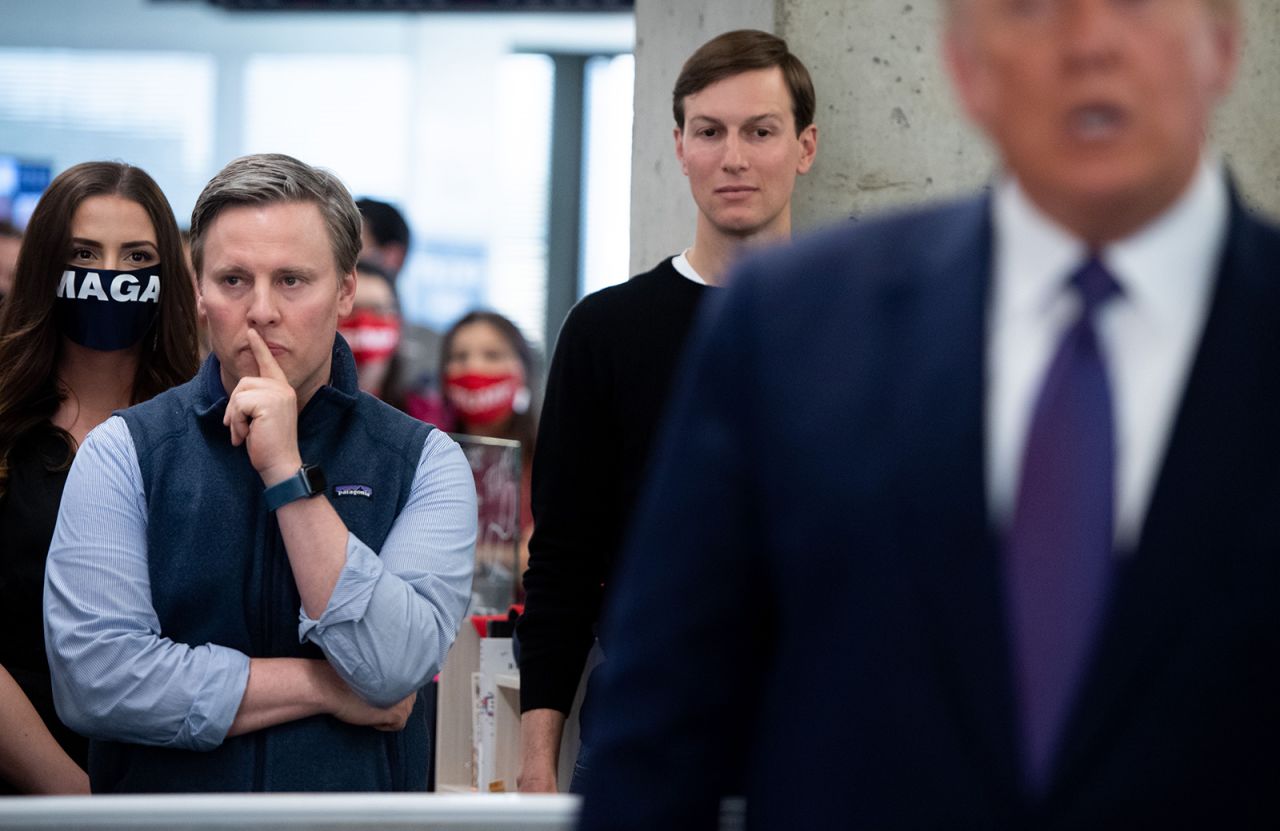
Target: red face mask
(371, 336)
(484, 399)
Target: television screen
(21, 183)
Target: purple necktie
(1058, 560)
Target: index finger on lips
(267, 366)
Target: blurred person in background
(372, 330)
(384, 236)
(102, 316)
(385, 242)
(965, 516)
(487, 366)
(202, 322)
(10, 243)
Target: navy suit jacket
(811, 606)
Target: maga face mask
(372, 336)
(484, 399)
(107, 310)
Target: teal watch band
(308, 481)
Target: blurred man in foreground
(965, 518)
(413, 386)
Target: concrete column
(890, 133)
(1248, 125)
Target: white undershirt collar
(681, 264)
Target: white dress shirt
(1148, 334)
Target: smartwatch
(308, 481)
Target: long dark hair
(30, 343)
(524, 426)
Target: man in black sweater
(744, 130)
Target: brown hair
(524, 426)
(742, 51)
(270, 178)
(30, 344)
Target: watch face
(315, 478)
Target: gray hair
(270, 178)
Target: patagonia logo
(353, 490)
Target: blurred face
(202, 323)
(369, 245)
(373, 294)
(389, 257)
(741, 153)
(484, 378)
(271, 268)
(1098, 107)
(372, 330)
(112, 233)
(480, 349)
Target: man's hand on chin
(262, 414)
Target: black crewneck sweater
(610, 377)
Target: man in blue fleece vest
(253, 574)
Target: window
(606, 204)
(348, 113)
(154, 110)
(517, 284)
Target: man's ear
(808, 139)
(346, 293)
(679, 137)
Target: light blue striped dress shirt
(388, 626)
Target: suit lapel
(944, 526)
(1219, 462)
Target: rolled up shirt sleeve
(394, 614)
(114, 676)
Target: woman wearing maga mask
(101, 316)
(486, 366)
(372, 330)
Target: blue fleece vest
(220, 574)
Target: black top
(28, 512)
(614, 362)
